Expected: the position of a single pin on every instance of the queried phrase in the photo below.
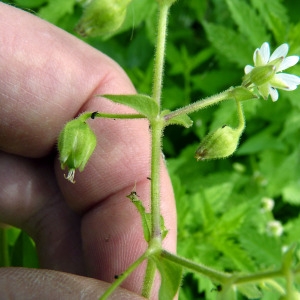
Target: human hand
(47, 78)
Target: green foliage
(145, 105)
(171, 278)
(221, 222)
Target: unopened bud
(102, 17)
(76, 143)
(219, 144)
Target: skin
(88, 229)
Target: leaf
(275, 16)
(265, 250)
(146, 217)
(171, 276)
(291, 193)
(230, 44)
(250, 24)
(145, 105)
(182, 120)
(54, 10)
(249, 290)
(24, 252)
(137, 12)
(30, 3)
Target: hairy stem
(212, 274)
(200, 104)
(160, 53)
(122, 277)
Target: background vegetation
(222, 218)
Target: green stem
(200, 104)
(122, 277)
(218, 276)
(157, 127)
(257, 277)
(241, 116)
(148, 280)
(160, 52)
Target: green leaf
(145, 105)
(182, 120)
(146, 217)
(171, 275)
(54, 10)
(265, 250)
(24, 252)
(250, 24)
(275, 15)
(249, 290)
(291, 193)
(30, 3)
(228, 43)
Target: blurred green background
(223, 221)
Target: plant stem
(157, 128)
(200, 104)
(160, 52)
(122, 277)
(212, 274)
(148, 280)
(155, 180)
(257, 277)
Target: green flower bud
(76, 143)
(259, 75)
(102, 17)
(219, 144)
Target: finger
(45, 284)
(30, 199)
(46, 77)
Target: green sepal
(171, 276)
(144, 104)
(182, 120)
(146, 218)
(241, 93)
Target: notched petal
(288, 62)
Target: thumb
(47, 284)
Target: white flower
(265, 74)
(275, 228)
(267, 204)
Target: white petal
(281, 51)
(291, 81)
(265, 52)
(273, 94)
(248, 69)
(288, 62)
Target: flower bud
(76, 143)
(259, 75)
(102, 17)
(219, 144)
